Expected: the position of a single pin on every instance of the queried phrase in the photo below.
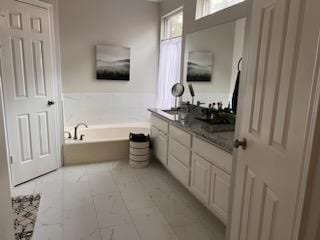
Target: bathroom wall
(167, 6)
(129, 23)
(239, 35)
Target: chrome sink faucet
(75, 137)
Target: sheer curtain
(169, 71)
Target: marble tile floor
(112, 201)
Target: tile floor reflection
(112, 201)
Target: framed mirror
(211, 59)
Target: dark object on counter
(236, 90)
(191, 92)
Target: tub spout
(76, 130)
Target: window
(170, 57)
(172, 25)
(207, 7)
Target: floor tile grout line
(155, 206)
(166, 219)
(163, 216)
(128, 176)
(96, 212)
(130, 215)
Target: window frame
(165, 24)
(203, 8)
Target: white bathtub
(101, 143)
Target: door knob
(240, 143)
(50, 103)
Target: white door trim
(313, 139)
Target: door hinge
(11, 159)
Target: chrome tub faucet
(75, 136)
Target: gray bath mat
(25, 210)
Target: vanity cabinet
(179, 154)
(202, 167)
(159, 136)
(215, 179)
(214, 155)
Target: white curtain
(169, 71)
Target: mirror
(211, 62)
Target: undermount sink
(215, 121)
(171, 111)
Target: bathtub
(101, 143)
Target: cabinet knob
(240, 143)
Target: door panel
(44, 134)
(28, 85)
(274, 123)
(19, 67)
(15, 20)
(25, 137)
(37, 48)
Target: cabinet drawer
(180, 136)
(179, 152)
(219, 194)
(213, 154)
(160, 124)
(181, 172)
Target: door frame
(312, 136)
(52, 7)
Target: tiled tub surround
(106, 108)
(223, 140)
(114, 201)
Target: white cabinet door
(219, 193)
(200, 178)
(160, 145)
(180, 171)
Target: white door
(274, 121)
(28, 88)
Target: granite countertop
(208, 133)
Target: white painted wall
(168, 6)
(238, 45)
(129, 23)
(218, 40)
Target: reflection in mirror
(211, 63)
